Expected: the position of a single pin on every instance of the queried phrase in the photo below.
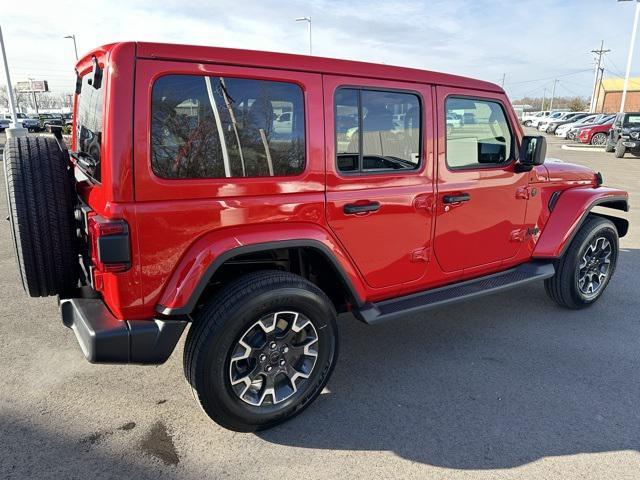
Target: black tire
(563, 287)
(527, 123)
(41, 198)
(609, 147)
(224, 321)
(620, 149)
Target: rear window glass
(89, 123)
(218, 127)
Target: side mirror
(532, 152)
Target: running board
(374, 313)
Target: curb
(582, 148)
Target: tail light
(108, 245)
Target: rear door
(379, 175)
(481, 198)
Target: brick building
(610, 93)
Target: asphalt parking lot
(509, 386)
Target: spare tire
(41, 199)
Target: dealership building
(609, 95)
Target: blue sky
(530, 41)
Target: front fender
(205, 256)
(570, 210)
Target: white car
(562, 130)
(552, 116)
(528, 118)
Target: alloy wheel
(274, 358)
(599, 139)
(595, 267)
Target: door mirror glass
(532, 152)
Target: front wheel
(262, 350)
(527, 123)
(599, 139)
(585, 269)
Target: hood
(560, 171)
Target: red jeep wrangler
(254, 195)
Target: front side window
(377, 130)
(481, 137)
(220, 127)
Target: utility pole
(631, 44)
(553, 94)
(544, 99)
(596, 87)
(16, 129)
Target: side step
(374, 313)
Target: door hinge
(420, 255)
(525, 193)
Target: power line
(549, 78)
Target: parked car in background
(4, 124)
(68, 119)
(569, 118)
(595, 134)
(563, 129)
(47, 119)
(528, 118)
(573, 129)
(619, 139)
(538, 120)
(31, 124)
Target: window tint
(377, 130)
(216, 127)
(479, 135)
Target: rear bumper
(106, 339)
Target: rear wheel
(41, 199)
(620, 149)
(527, 123)
(599, 139)
(585, 269)
(262, 350)
(608, 146)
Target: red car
(255, 195)
(594, 134)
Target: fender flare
(183, 303)
(570, 211)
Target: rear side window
(477, 133)
(377, 130)
(219, 127)
(89, 123)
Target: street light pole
(631, 45)
(75, 48)
(35, 99)
(15, 130)
(553, 94)
(308, 20)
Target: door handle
(352, 208)
(459, 198)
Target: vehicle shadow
(493, 383)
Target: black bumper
(106, 339)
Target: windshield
(89, 127)
(632, 120)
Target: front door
(380, 175)
(481, 198)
